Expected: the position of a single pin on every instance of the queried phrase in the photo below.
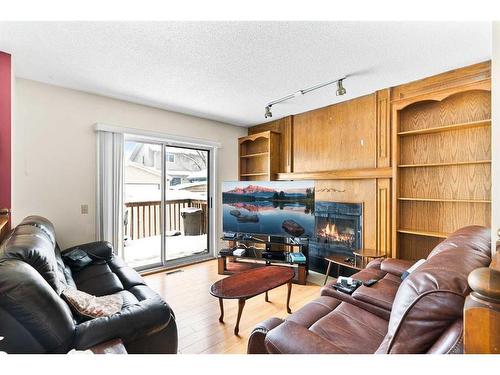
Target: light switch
(85, 209)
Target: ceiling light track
(340, 91)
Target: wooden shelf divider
(341, 174)
(444, 200)
(255, 155)
(254, 174)
(444, 164)
(424, 233)
(438, 129)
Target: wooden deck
(197, 312)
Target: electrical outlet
(84, 209)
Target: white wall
(495, 134)
(54, 151)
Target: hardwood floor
(197, 312)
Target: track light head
(268, 112)
(340, 89)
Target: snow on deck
(146, 251)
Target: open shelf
(444, 200)
(424, 233)
(438, 129)
(253, 174)
(444, 164)
(259, 156)
(255, 155)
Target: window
(170, 158)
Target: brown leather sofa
(421, 314)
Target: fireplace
(339, 231)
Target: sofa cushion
(473, 238)
(380, 294)
(395, 266)
(431, 298)
(363, 275)
(313, 311)
(131, 323)
(33, 246)
(128, 298)
(128, 276)
(352, 329)
(368, 274)
(41, 223)
(98, 280)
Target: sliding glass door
(186, 198)
(166, 196)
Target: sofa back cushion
(33, 318)
(431, 299)
(474, 238)
(33, 242)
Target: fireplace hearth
(338, 232)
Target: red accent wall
(5, 130)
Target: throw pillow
(87, 306)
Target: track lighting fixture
(268, 112)
(340, 91)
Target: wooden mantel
(341, 174)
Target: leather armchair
(35, 319)
(421, 314)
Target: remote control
(370, 282)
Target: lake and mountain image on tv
(275, 208)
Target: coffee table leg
(288, 297)
(221, 304)
(327, 272)
(241, 304)
(267, 297)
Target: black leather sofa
(35, 319)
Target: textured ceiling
(228, 71)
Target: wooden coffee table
(248, 284)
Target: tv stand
(261, 251)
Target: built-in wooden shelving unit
(259, 156)
(442, 152)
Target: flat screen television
(274, 208)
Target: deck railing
(142, 219)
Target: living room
(225, 186)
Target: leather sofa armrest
(131, 323)
(292, 338)
(256, 343)
(100, 250)
(395, 266)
